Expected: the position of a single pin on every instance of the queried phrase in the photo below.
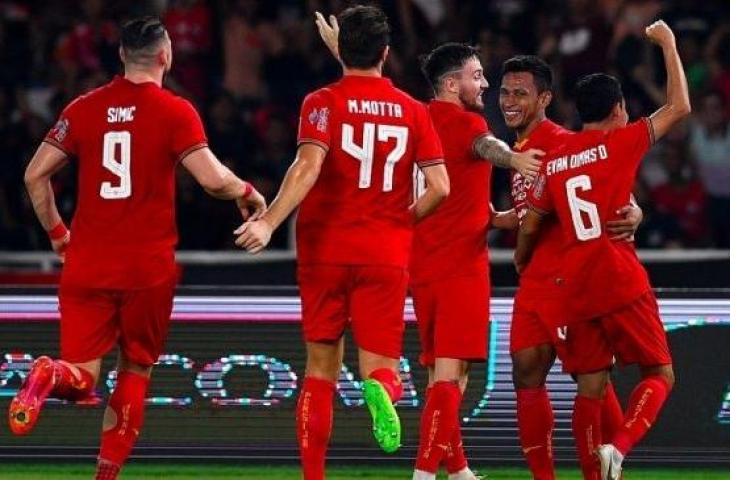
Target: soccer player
(119, 274)
(449, 264)
(525, 93)
(359, 140)
(611, 307)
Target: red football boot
(26, 406)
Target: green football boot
(386, 424)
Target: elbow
(685, 109)
(31, 178)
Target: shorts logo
(562, 333)
(60, 130)
(320, 118)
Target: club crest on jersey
(319, 118)
(60, 130)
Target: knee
(529, 372)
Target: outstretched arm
(220, 182)
(677, 106)
(299, 180)
(489, 147)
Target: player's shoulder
(323, 94)
(90, 98)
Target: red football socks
(612, 415)
(455, 457)
(126, 405)
(71, 382)
(645, 403)
(587, 434)
(439, 420)
(314, 425)
(106, 470)
(390, 380)
(535, 422)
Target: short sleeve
(475, 128)
(314, 120)
(188, 132)
(62, 134)
(538, 196)
(633, 140)
(428, 145)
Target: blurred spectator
(189, 25)
(710, 140)
(682, 196)
(247, 64)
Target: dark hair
(142, 33)
(446, 58)
(541, 71)
(596, 95)
(364, 34)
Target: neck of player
(367, 72)
(604, 125)
(143, 76)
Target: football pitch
(199, 472)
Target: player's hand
(625, 228)
(252, 206)
(660, 33)
(329, 32)
(527, 163)
(60, 245)
(254, 236)
(519, 266)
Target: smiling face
(521, 103)
(472, 84)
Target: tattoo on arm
(489, 147)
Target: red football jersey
(453, 240)
(585, 181)
(357, 211)
(544, 265)
(127, 139)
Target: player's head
(598, 98)
(454, 69)
(146, 44)
(526, 90)
(364, 37)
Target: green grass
(201, 472)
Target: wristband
(247, 189)
(58, 232)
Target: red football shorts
(370, 298)
(94, 320)
(633, 334)
(533, 313)
(453, 318)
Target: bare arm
(437, 189)
(299, 180)
(220, 182)
(490, 148)
(527, 238)
(677, 106)
(45, 163)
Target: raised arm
(299, 180)
(47, 160)
(220, 182)
(490, 148)
(677, 105)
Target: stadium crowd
(247, 65)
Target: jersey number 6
(365, 152)
(119, 167)
(578, 206)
